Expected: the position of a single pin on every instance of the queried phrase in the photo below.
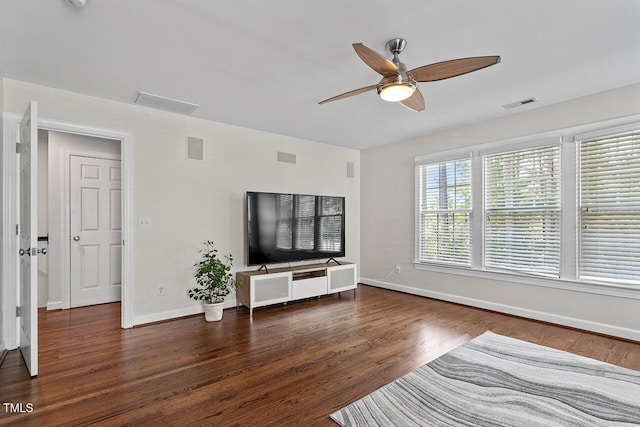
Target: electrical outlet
(397, 269)
(160, 290)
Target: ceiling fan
(398, 84)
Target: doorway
(12, 309)
(79, 219)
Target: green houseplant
(214, 280)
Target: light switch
(144, 222)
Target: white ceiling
(266, 64)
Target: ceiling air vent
(520, 103)
(164, 103)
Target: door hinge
(18, 147)
(17, 229)
(18, 311)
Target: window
(610, 208)
(565, 209)
(444, 217)
(522, 210)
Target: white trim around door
(9, 194)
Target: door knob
(76, 238)
(33, 251)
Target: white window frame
(569, 250)
(513, 210)
(430, 160)
(585, 137)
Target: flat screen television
(294, 227)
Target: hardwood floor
(290, 366)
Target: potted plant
(214, 279)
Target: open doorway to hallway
(79, 220)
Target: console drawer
(307, 288)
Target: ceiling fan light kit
(398, 84)
(394, 92)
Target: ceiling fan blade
(373, 59)
(415, 102)
(348, 94)
(452, 68)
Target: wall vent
(351, 170)
(164, 103)
(195, 148)
(286, 157)
(520, 103)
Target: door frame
(10, 207)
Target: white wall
(190, 201)
(43, 217)
(3, 333)
(387, 195)
(51, 215)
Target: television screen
(294, 227)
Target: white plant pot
(213, 312)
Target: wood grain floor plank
(289, 365)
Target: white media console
(281, 285)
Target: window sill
(616, 290)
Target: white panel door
(96, 227)
(28, 205)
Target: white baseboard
(174, 314)
(587, 325)
(54, 305)
(3, 345)
(167, 315)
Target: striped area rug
(498, 381)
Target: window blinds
(444, 212)
(610, 208)
(522, 210)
